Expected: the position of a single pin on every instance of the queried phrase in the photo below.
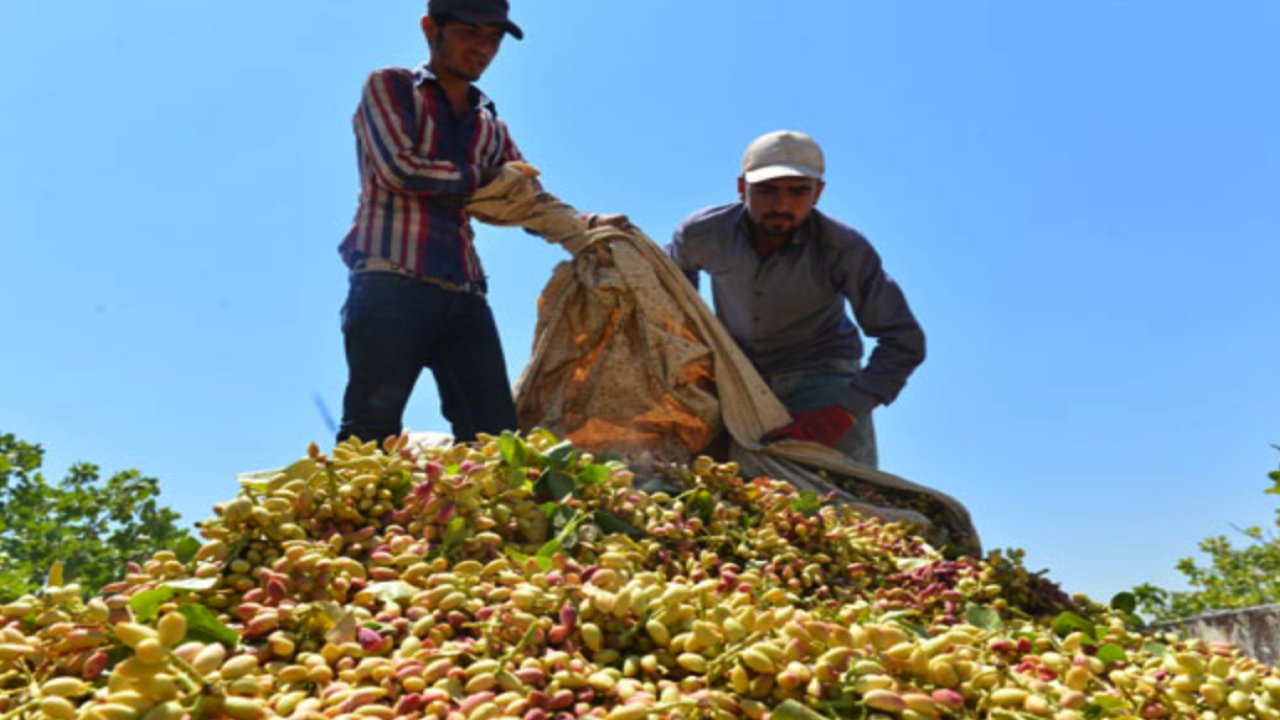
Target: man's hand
(489, 173)
(525, 168)
(823, 425)
(622, 222)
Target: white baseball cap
(783, 153)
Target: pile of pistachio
(520, 578)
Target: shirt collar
(422, 74)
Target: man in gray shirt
(781, 273)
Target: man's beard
(777, 225)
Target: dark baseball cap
(480, 12)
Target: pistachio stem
(524, 642)
(193, 677)
(18, 711)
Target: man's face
(460, 49)
(777, 207)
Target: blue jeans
(394, 326)
(821, 386)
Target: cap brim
(773, 172)
(480, 19)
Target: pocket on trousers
(374, 292)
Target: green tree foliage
(1236, 577)
(94, 527)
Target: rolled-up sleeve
(680, 253)
(882, 312)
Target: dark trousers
(393, 327)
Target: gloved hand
(823, 425)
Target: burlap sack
(627, 357)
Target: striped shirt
(419, 162)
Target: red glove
(823, 425)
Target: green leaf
(513, 449)
(204, 626)
(455, 533)
(894, 615)
(325, 614)
(981, 616)
(553, 546)
(1125, 602)
(392, 590)
(561, 454)
(192, 584)
(1111, 653)
(560, 517)
(516, 477)
(303, 469)
(807, 502)
(704, 503)
(186, 549)
(611, 523)
(146, 604)
(541, 435)
(546, 553)
(1028, 634)
(563, 524)
(1069, 622)
(907, 564)
(256, 482)
(921, 631)
(593, 474)
(402, 490)
(344, 629)
(555, 484)
(1155, 649)
(1107, 702)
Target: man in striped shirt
(426, 139)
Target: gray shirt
(787, 311)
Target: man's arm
(386, 126)
(678, 252)
(882, 312)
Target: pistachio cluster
(521, 579)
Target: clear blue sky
(1081, 200)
